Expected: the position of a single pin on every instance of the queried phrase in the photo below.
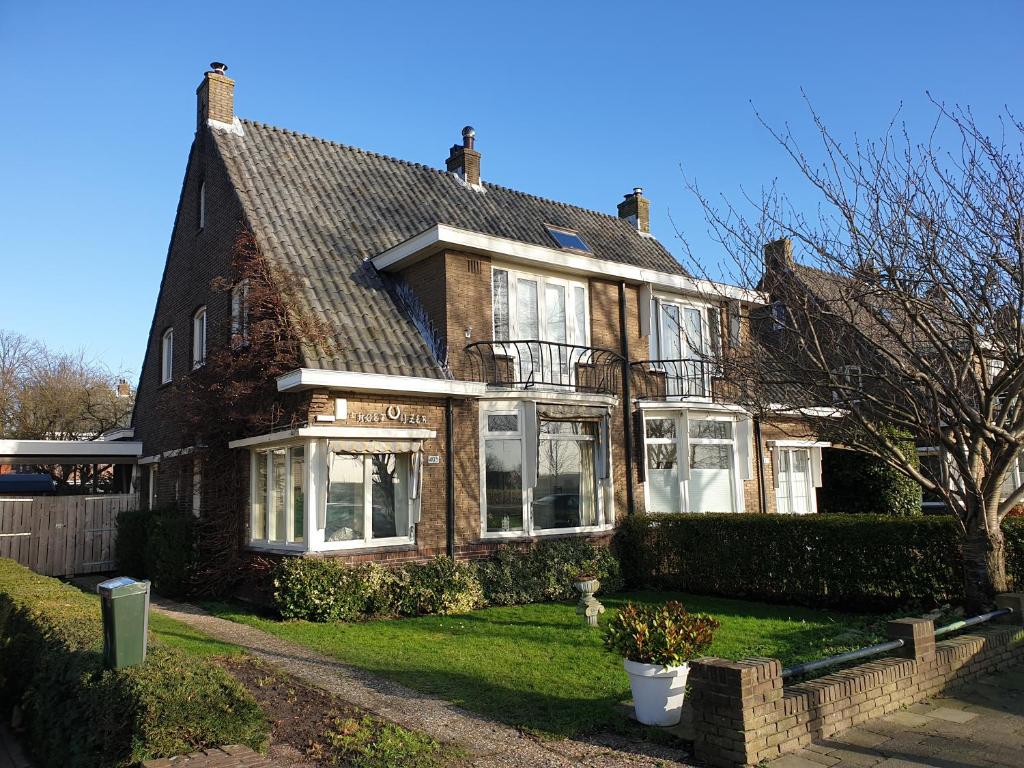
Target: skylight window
(566, 238)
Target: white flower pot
(657, 691)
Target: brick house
(496, 366)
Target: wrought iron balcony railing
(669, 379)
(535, 364)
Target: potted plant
(657, 643)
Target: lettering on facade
(392, 413)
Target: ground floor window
(368, 498)
(278, 495)
(694, 461)
(543, 470)
(794, 489)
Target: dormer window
(568, 239)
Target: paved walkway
(487, 743)
(977, 726)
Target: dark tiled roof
(321, 209)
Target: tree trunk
(984, 566)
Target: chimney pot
(636, 209)
(468, 137)
(219, 67)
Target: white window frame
(240, 314)
(367, 541)
(263, 453)
(683, 440)
(810, 490)
(658, 335)
(573, 334)
(603, 512)
(167, 356)
(199, 338)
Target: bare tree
(903, 312)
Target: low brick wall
(743, 714)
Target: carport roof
(70, 451)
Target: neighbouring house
(472, 364)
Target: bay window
(544, 469)
(368, 498)
(278, 495)
(696, 461)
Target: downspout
(627, 401)
(449, 448)
(763, 492)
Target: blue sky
(579, 101)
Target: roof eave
(443, 236)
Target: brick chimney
(778, 255)
(124, 389)
(215, 96)
(636, 209)
(464, 161)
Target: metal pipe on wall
(627, 400)
(449, 447)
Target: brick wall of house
(196, 257)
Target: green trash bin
(125, 604)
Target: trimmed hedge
(841, 561)
(159, 545)
(79, 714)
(324, 589)
(859, 483)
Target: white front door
(795, 492)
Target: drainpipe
(763, 500)
(449, 448)
(627, 401)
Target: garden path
(976, 726)
(487, 743)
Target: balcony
(532, 364)
(672, 379)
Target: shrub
(843, 561)
(79, 714)
(546, 571)
(159, 545)
(1013, 539)
(659, 634)
(442, 586)
(858, 483)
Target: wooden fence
(62, 535)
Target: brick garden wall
(743, 713)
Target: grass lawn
(537, 666)
(191, 641)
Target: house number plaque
(391, 413)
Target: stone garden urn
(588, 606)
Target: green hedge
(840, 561)
(858, 483)
(159, 545)
(323, 589)
(80, 715)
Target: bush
(79, 714)
(546, 571)
(159, 545)
(319, 589)
(843, 561)
(858, 483)
(659, 634)
(1013, 538)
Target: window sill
(595, 530)
(362, 548)
(276, 547)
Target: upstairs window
(240, 314)
(568, 239)
(202, 204)
(199, 338)
(167, 357)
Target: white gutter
(443, 236)
(353, 381)
(336, 433)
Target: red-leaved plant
(659, 634)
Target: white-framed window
(167, 356)
(543, 307)
(696, 461)
(794, 482)
(202, 204)
(240, 313)
(368, 499)
(541, 475)
(278, 496)
(933, 465)
(682, 342)
(199, 338)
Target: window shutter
(743, 448)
